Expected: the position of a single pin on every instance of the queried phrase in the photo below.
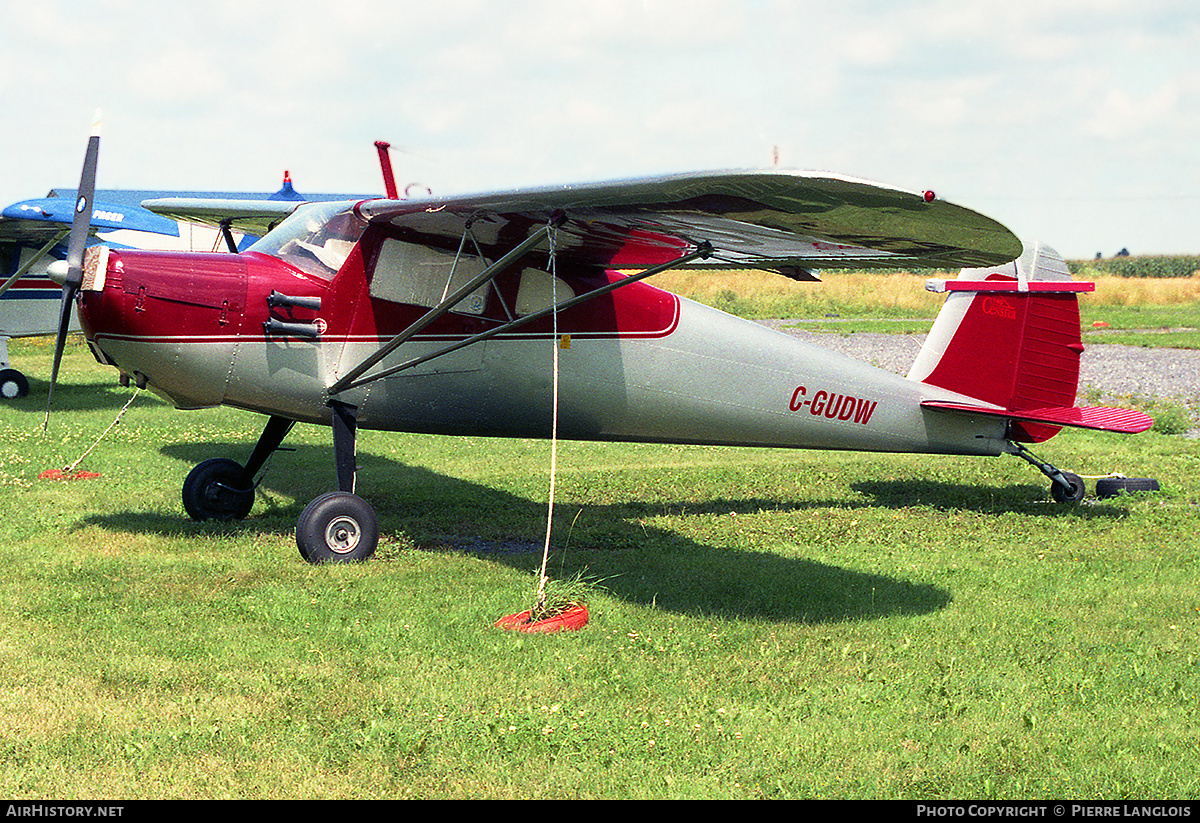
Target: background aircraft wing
(251, 214)
(31, 234)
(786, 221)
(35, 221)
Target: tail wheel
(213, 491)
(1071, 495)
(338, 527)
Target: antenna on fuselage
(385, 164)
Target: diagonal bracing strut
(21, 272)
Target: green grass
(1169, 326)
(852, 325)
(1173, 327)
(765, 623)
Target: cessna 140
(451, 316)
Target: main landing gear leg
(339, 527)
(1065, 487)
(222, 489)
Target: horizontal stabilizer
(1042, 287)
(1104, 418)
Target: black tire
(1113, 486)
(212, 491)
(1074, 495)
(12, 384)
(338, 527)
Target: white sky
(1074, 122)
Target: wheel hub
(342, 535)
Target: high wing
(790, 222)
(787, 221)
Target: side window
(422, 276)
(540, 290)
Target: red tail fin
(1009, 336)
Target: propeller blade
(76, 244)
(83, 212)
(64, 322)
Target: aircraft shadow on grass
(1022, 498)
(610, 543)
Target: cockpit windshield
(316, 238)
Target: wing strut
(350, 381)
(227, 233)
(21, 272)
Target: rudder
(1009, 336)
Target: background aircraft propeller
(76, 244)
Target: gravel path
(1110, 369)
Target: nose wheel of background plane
(13, 384)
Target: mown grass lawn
(765, 623)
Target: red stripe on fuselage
(200, 298)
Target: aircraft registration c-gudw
(443, 315)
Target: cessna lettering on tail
(998, 307)
(833, 406)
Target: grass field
(765, 623)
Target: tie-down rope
(542, 578)
(111, 426)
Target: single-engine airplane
(442, 315)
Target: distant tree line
(1127, 265)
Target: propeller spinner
(76, 242)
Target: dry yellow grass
(1147, 291)
(768, 294)
(891, 293)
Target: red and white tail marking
(1009, 337)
